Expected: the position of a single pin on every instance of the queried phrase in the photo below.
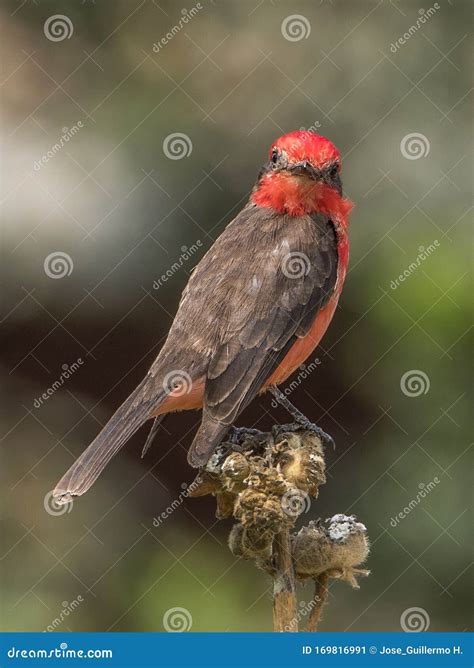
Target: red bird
(255, 307)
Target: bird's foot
(303, 424)
(237, 435)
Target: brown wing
(272, 274)
(239, 314)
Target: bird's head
(302, 175)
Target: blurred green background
(232, 78)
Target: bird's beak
(304, 168)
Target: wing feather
(262, 307)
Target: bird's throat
(297, 196)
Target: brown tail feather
(118, 430)
(208, 437)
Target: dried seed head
(235, 470)
(257, 543)
(235, 540)
(250, 542)
(300, 459)
(336, 549)
(225, 505)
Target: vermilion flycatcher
(255, 307)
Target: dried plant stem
(320, 597)
(264, 482)
(284, 586)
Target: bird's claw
(236, 435)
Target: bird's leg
(301, 421)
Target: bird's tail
(134, 412)
(208, 437)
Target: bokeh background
(392, 382)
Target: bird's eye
(274, 157)
(333, 172)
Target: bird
(255, 307)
